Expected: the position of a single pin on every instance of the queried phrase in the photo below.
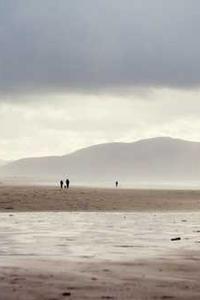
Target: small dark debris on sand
(94, 278)
(176, 239)
(66, 294)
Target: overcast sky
(75, 73)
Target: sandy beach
(98, 244)
(176, 277)
(39, 198)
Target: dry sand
(173, 275)
(35, 198)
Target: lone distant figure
(61, 184)
(67, 183)
(116, 184)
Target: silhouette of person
(116, 183)
(67, 183)
(61, 184)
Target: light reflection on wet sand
(97, 236)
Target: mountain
(157, 160)
(3, 162)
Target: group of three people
(67, 183)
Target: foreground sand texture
(16, 198)
(176, 277)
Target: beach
(91, 243)
(48, 198)
(172, 278)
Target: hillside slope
(151, 160)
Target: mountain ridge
(161, 159)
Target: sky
(75, 73)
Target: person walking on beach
(61, 184)
(116, 184)
(67, 183)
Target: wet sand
(88, 255)
(176, 277)
(35, 198)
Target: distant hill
(3, 162)
(156, 160)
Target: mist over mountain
(156, 160)
(3, 162)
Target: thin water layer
(97, 235)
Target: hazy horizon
(163, 162)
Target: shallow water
(86, 236)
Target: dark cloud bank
(97, 44)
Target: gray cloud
(98, 44)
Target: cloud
(61, 124)
(97, 45)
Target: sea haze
(154, 162)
